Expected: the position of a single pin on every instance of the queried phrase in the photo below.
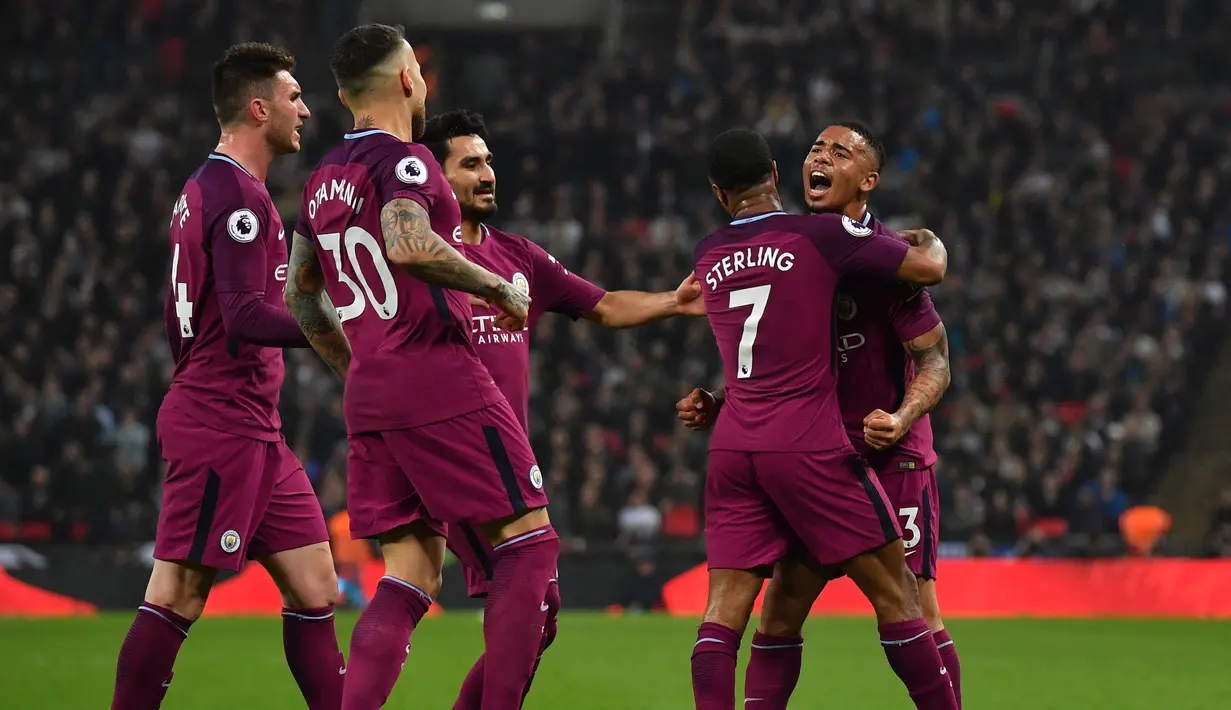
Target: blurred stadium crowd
(1065, 150)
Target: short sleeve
(237, 236)
(854, 249)
(402, 174)
(914, 314)
(558, 290)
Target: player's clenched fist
(514, 307)
(697, 409)
(882, 429)
(688, 298)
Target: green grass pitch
(641, 663)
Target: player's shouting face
(840, 169)
(470, 174)
(284, 112)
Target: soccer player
(234, 491)
(432, 439)
(840, 172)
(458, 140)
(782, 471)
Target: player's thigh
(380, 497)
(831, 501)
(743, 527)
(415, 554)
(477, 468)
(789, 597)
(889, 585)
(474, 552)
(216, 491)
(305, 576)
(732, 594)
(916, 502)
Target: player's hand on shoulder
(514, 307)
(697, 409)
(915, 237)
(882, 430)
(688, 297)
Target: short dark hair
(879, 155)
(451, 124)
(243, 71)
(359, 51)
(739, 159)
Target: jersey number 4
(359, 237)
(757, 297)
(183, 307)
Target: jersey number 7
(757, 297)
(334, 242)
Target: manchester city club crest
(230, 541)
(846, 308)
(521, 283)
(536, 478)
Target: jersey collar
(749, 220)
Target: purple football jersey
(552, 288)
(874, 319)
(412, 359)
(226, 237)
(770, 284)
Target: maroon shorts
(474, 469)
(914, 497)
(760, 506)
(474, 552)
(228, 498)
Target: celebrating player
(458, 139)
(872, 316)
(432, 439)
(781, 468)
(234, 491)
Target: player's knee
(498, 531)
(931, 606)
(318, 588)
(731, 597)
(181, 587)
(780, 614)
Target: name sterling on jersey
(747, 259)
(341, 190)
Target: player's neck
(472, 232)
(756, 204)
(247, 149)
(384, 118)
(856, 210)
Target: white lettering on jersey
(337, 189)
(180, 211)
(749, 258)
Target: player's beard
(281, 139)
(474, 212)
(418, 121)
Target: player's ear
(342, 98)
(870, 181)
(722, 196)
(408, 82)
(257, 109)
(775, 164)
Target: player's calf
(517, 607)
(732, 594)
(306, 579)
(944, 642)
(380, 642)
(776, 656)
(890, 586)
(174, 598)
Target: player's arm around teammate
(309, 302)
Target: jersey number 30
(757, 297)
(359, 237)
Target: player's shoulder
(226, 189)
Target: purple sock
(948, 656)
(713, 667)
(143, 671)
(516, 614)
(913, 656)
(773, 671)
(471, 695)
(312, 653)
(380, 642)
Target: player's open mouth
(818, 185)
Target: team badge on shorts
(846, 307)
(536, 478)
(411, 171)
(230, 541)
(521, 283)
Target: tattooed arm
(411, 244)
(930, 352)
(309, 302)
